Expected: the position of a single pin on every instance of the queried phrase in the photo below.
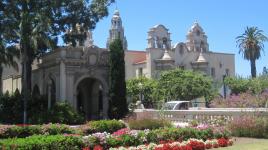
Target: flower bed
(191, 144)
(126, 137)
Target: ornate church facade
(80, 74)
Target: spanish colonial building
(79, 74)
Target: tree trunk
(253, 68)
(1, 81)
(26, 84)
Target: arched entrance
(89, 98)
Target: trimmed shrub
(43, 142)
(109, 126)
(29, 130)
(20, 131)
(148, 124)
(54, 129)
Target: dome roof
(116, 13)
(196, 27)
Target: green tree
(36, 25)
(117, 84)
(240, 85)
(250, 45)
(7, 53)
(185, 85)
(144, 87)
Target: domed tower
(197, 39)
(116, 30)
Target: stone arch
(91, 97)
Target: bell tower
(116, 30)
(197, 39)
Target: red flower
(98, 147)
(86, 148)
(223, 142)
(209, 146)
(196, 145)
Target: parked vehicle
(177, 105)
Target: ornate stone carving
(104, 59)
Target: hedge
(43, 142)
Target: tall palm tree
(250, 45)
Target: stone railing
(201, 115)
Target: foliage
(250, 44)
(63, 112)
(44, 142)
(54, 129)
(117, 85)
(148, 124)
(249, 126)
(11, 108)
(109, 126)
(185, 85)
(241, 85)
(243, 100)
(21, 131)
(142, 85)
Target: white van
(177, 105)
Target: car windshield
(169, 106)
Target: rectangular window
(212, 72)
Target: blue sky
(222, 20)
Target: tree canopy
(142, 87)
(250, 44)
(185, 85)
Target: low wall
(201, 115)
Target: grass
(248, 144)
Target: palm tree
(250, 45)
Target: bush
(63, 112)
(29, 130)
(11, 111)
(20, 131)
(55, 142)
(242, 100)
(249, 126)
(109, 126)
(148, 124)
(54, 129)
(11, 108)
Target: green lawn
(248, 144)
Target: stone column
(62, 77)
(105, 104)
(49, 95)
